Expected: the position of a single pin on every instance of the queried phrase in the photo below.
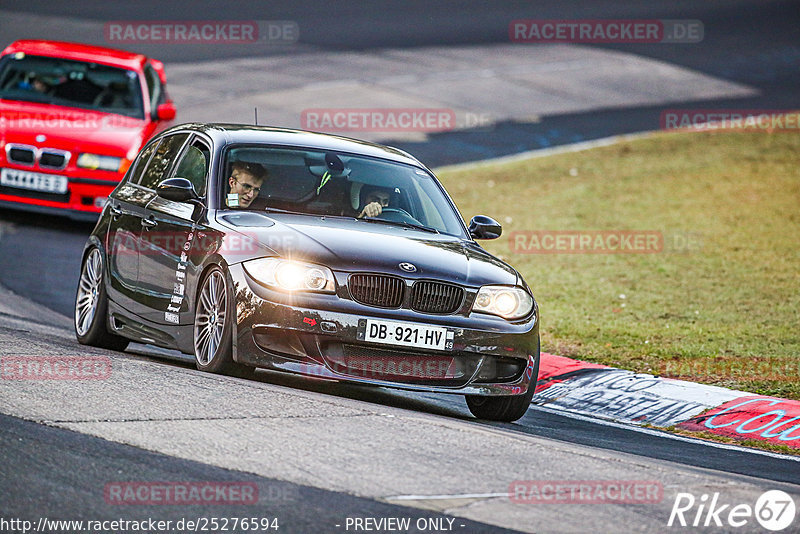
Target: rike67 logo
(774, 510)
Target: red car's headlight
(96, 161)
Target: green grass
(724, 310)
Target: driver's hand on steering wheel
(373, 209)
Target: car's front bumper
(84, 198)
(318, 335)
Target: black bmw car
(254, 247)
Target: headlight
(96, 161)
(507, 302)
(291, 275)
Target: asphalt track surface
(755, 43)
(34, 454)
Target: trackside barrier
(638, 398)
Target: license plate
(405, 334)
(35, 181)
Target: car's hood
(70, 129)
(352, 245)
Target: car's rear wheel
(91, 306)
(213, 346)
(505, 408)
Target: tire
(505, 408)
(214, 311)
(91, 306)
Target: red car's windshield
(66, 82)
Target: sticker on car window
(233, 200)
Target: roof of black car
(246, 134)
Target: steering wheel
(397, 215)
(103, 99)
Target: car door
(166, 263)
(126, 208)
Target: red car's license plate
(35, 181)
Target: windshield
(64, 82)
(315, 182)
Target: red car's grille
(52, 159)
(21, 155)
(48, 158)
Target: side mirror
(483, 227)
(177, 190)
(166, 111)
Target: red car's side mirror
(165, 111)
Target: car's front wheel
(91, 306)
(504, 408)
(214, 313)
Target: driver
(373, 200)
(245, 182)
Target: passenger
(245, 182)
(35, 83)
(41, 86)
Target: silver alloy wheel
(209, 322)
(88, 291)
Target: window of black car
(162, 159)
(71, 83)
(317, 182)
(141, 162)
(194, 165)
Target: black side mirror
(177, 190)
(483, 227)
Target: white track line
(445, 497)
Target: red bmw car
(72, 118)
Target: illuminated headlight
(96, 161)
(507, 302)
(291, 275)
